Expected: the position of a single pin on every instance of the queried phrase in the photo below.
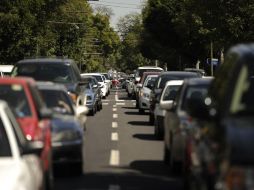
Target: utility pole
(211, 46)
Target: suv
(226, 121)
(64, 71)
(31, 112)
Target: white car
(144, 93)
(20, 166)
(107, 82)
(100, 79)
(168, 94)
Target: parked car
(99, 78)
(67, 127)
(20, 166)
(93, 99)
(226, 120)
(33, 116)
(178, 124)
(139, 78)
(160, 84)
(144, 93)
(141, 83)
(168, 95)
(63, 71)
(130, 86)
(107, 83)
(107, 79)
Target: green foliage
(55, 28)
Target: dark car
(178, 124)
(159, 85)
(63, 71)
(225, 155)
(67, 129)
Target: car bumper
(68, 152)
(144, 103)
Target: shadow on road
(135, 113)
(132, 108)
(140, 123)
(117, 181)
(150, 137)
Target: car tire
(166, 156)
(77, 168)
(141, 111)
(151, 119)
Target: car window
(58, 101)
(170, 92)
(20, 105)
(194, 92)
(45, 72)
(98, 78)
(5, 149)
(149, 81)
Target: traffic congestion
(161, 100)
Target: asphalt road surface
(120, 152)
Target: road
(120, 152)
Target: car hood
(239, 136)
(62, 122)
(10, 175)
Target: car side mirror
(139, 85)
(33, 147)
(167, 105)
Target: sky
(120, 8)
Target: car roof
(174, 82)
(46, 61)
(50, 86)
(150, 67)
(198, 81)
(18, 80)
(178, 73)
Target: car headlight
(67, 135)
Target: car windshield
(194, 92)
(19, 105)
(5, 149)
(98, 78)
(44, 72)
(150, 80)
(170, 92)
(106, 76)
(58, 101)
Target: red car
(25, 100)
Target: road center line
(114, 124)
(114, 109)
(120, 103)
(114, 136)
(115, 115)
(114, 158)
(105, 103)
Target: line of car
(206, 123)
(47, 100)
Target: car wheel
(137, 104)
(78, 168)
(151, 119)
(140, 110)
(175, 166)
(166, 156)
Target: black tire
(77, 168)
(166, 156)
(151, 119)
(141, 111)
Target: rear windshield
(14, 95)
(45, 72)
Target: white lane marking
(120, 103)
(134, 104)
(114, 124)
(120, 100)
(105, 100)
(114, 109)
(114, 158)
(114, 187)
(115, 115)
(114, 136)
(104, 104)
(114, 106)
(133, 100)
